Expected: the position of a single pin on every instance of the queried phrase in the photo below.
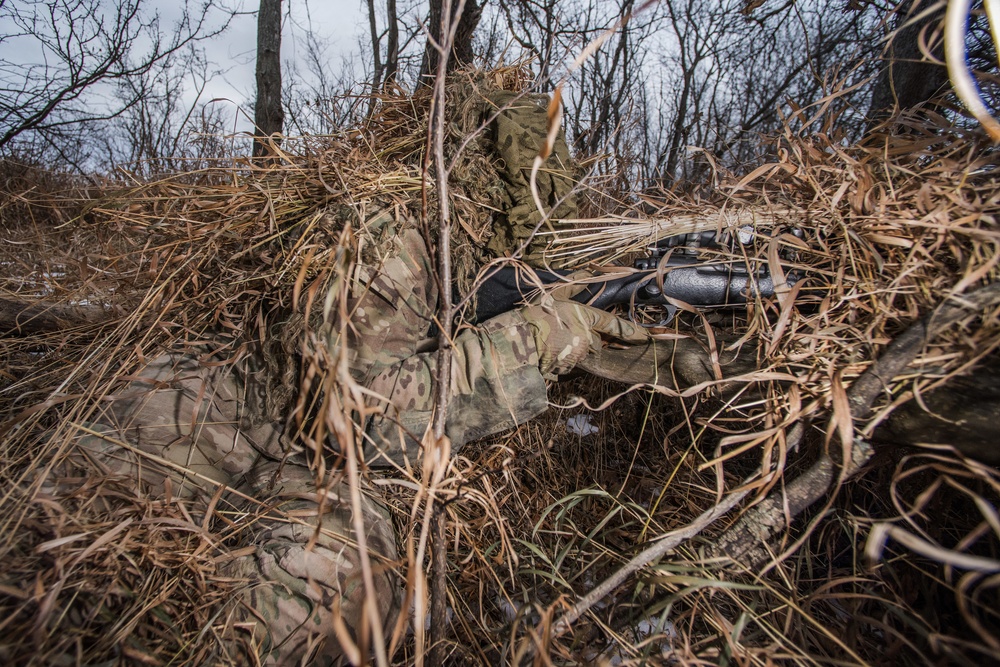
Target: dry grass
(94, 572)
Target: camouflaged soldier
(182, 424)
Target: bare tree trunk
(746, 541)
(461, 49)
(963, 412)
(269, 117)
(376, 49)
(608, 106)
(376, 59)
(392, 48)
(907, 78)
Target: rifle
(671, 270)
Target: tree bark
(746, 541)
(376, 50)
(461, 49)
(269, 117)
(21, 318)
(907, 77)
(392, 47)
(963, 413)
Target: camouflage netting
(224, 258)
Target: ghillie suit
(193, 424)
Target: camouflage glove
(566, 331)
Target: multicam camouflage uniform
(518, 133)
(180, 424)
(495, 377)
(182, 420)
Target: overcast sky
(342, 23)
(338, 23)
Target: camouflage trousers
(178, 427)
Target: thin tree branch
(743, 541)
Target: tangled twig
(743, 541)
(767, 518)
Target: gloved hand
(565, 331)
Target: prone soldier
(184, 427)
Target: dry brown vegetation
(95, 573)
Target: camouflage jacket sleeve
(495, 385)
(495, 379)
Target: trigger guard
(671, 313)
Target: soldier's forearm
(495, 384)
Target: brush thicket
(214, 260)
